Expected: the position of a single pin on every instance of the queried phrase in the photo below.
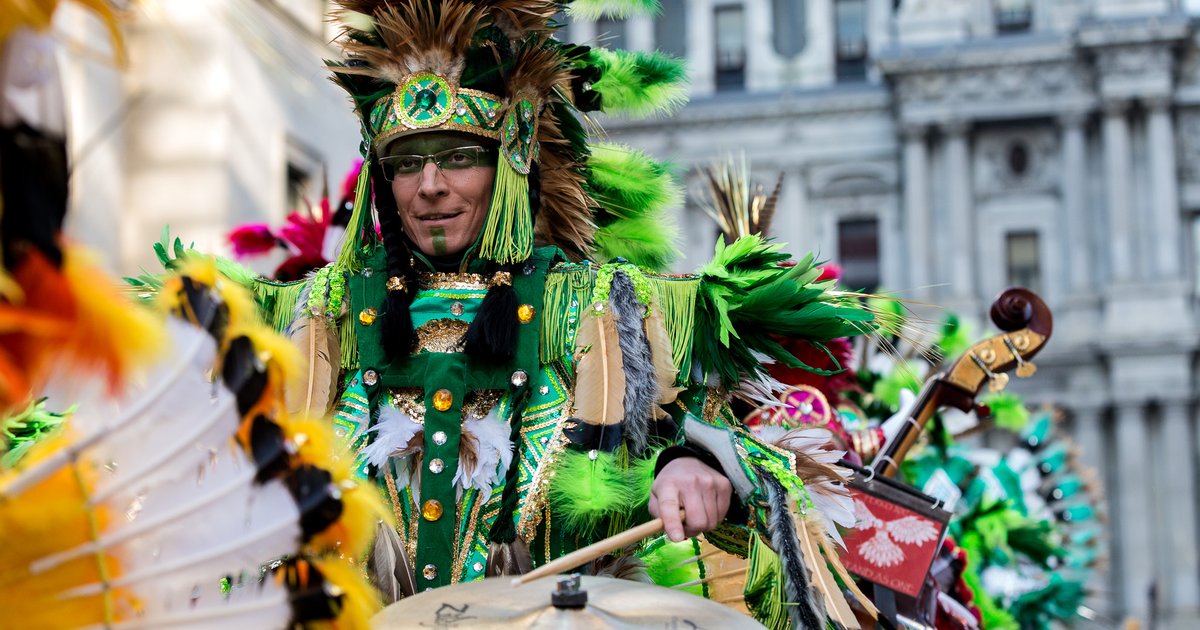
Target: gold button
(442, 399)
(431, 510)
(367, 316)
(525, 313)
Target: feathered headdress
(491, 68)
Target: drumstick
(592, 551)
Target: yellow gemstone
(431, 510)
(367, 316)
(442, 399)
(525, 313)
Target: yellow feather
(360, 601)
(600, 377)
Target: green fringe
(677, 299)
(349, 258)
(764, 586)
(349, 344)
(277, 302)
(562, 287)
(508, 230)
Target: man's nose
(433, 183)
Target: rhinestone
(443, 400)
(587, 85)
(491, 113)
(545, 440)
(805, 408)
(431, 510)
(525, 313)
(593, 454)
(478, 566)
(519, 378)
(529, 269)
(598, 308)
(436, 465)
(516, 158)
(370, 377)
(340, 432)
(367, 316)
(439, 438)
(367, 271)
(457, 309)
(544, 389)
(430, 572)
(461, 110)
(574, 303)
(527, 114)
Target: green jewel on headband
(427, 101)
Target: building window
(298, 181)
(1023, 260)
(850, 20)
(731, 47)
(858, 253)
(789, 27)
(1013, 16)
(670, 29)
(611, 33)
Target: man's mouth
(440, 216)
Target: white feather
(393, 432)
(493, 452)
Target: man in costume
(498, 350)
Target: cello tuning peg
(997, 381)
(1025, 369)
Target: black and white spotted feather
(804, 604)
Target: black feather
(805, 611)
(396, 319)
(493, 334)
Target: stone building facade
(223, 116)
(948, 148)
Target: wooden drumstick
(593, 551)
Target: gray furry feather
(805, 608)
(641, 385)
(388, 566)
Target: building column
(1180, 577)
(1134, 516)
(582, 30)
(1087, 432)
(701, 47)
(639, 33)
(1164, 188)
(958, 184)
(916, 209)
(1117, 175)
(1076, 223)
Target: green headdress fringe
(508, 230)
(639, 84)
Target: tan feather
(836, 606)
(831, 556)
(600, 378)
(662, 355)
(319, 344)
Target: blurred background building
(942, 149)
(946, 149)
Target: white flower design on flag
(881, 549)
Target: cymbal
(611, 603)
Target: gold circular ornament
(424, 100)
(443, 400)
(525, 313)
(431, 510)
(367, 316)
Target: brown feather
(417, 36)
(832, 557)
(600, 377)
(767, 213)
(565, 218)
(622, 565)
(662, 355)
(322, 353)
(509, 558)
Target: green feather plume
(596, 9)
(1008, 410)
(627, 182)
(648, 242)
(639, 84)
(585, 491)
(747, 300)
(955, 338)
(667, 564)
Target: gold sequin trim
(477, 404)
(531, 510)
(465, 544)
(442, 281)
(441, 335)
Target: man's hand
(690, 485)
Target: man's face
(442, 207)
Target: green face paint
(439, 241)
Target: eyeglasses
(456, 159)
